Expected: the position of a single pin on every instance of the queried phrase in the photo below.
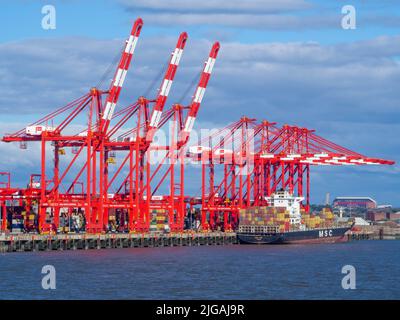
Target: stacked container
(265, 216)
(328, 216)
(159, 220)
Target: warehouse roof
(355, 198)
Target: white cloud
(49, 73)
(275, 22)
(258, 14)
(282, 15)
(255, 6)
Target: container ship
(284, 222)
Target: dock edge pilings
(36, 242)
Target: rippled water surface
(212, 272)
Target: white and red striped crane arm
(120, 74)
(166, 84)
(199, 93)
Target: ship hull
(329, 235)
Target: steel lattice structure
(258, 159)
(261, 159)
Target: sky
(288, 61)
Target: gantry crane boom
(120, 74)
(166, 87)
(199, 93)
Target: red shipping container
(287, 226)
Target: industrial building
(376, 215)
(393, 216)
(355, 202)
(380, 215)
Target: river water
(208, 272)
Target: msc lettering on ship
(325, 233)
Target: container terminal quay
(97, 187)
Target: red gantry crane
(144, 180)
(134, 193)
(242, 164)
(175, 152)
(90, 142)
